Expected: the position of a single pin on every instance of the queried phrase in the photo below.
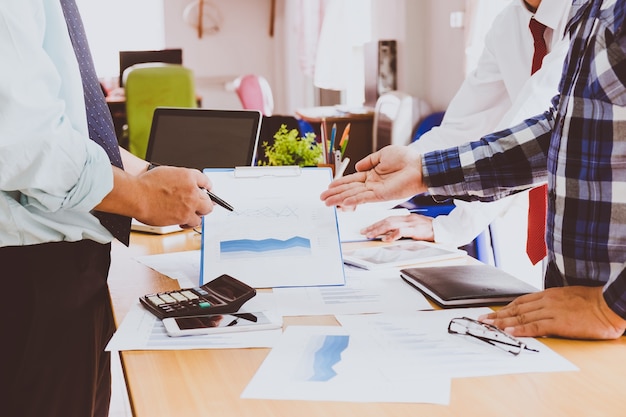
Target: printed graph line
(263, 245)
(267, 212)
(328, 356)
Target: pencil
(324, 144)
(331, 147)
(343, 143)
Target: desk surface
(209, 382)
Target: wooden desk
(209, 382)
(361, 124)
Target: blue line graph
(328, 356)
(294, 246)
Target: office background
(430, 53)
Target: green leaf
(289, 149)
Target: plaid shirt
(578, 146)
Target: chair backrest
(148, 86)
(130, 58)
(430, 121)
(255, 93)
(395, 116)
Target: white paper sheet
(182, 266)
(421, 339)
(364, 292)
(141, 330)
(279, 235)
(324, 363)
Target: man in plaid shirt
(579, 147)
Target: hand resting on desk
(574, 312)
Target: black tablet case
(466, 285)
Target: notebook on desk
(466, 285)
(201, 138)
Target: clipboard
(280, 234)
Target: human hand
(172, 195)
(414, 226)
(575, 312)
(393, 172)
(162, 196)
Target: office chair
(255, 93)
(395, 115)
(152, 85)
(430, 121)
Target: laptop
(201, 138)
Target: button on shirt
(51, 174)
(579, 146)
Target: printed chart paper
(280, 234)
(325, 363)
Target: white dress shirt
(497, 94)
(51, 174)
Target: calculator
(224, 294)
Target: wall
(430, 53)
(242, 45)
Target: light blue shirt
(51, 174)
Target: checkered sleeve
(495, 166)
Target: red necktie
(537, 197)
(538, 29)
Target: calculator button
(178, 296)
(167, 298)
(189, 295)
(155, 300)
(204, 304)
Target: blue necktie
(100, 123)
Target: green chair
(152, 85)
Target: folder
(280, 234)
(466, 285)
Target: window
(116, 25)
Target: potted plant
(291, 149)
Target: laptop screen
(203, 138)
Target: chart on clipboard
(280, 234)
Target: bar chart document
(280, 234)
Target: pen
(218, 200)
(331, 147)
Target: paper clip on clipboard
(268, 171)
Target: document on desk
(325, 363)
(280, 234)
(141, 330)
(422, 341)
(365, 292)
(181, 266)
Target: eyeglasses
(487, 333)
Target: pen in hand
(218, 200)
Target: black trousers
(56, 320)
